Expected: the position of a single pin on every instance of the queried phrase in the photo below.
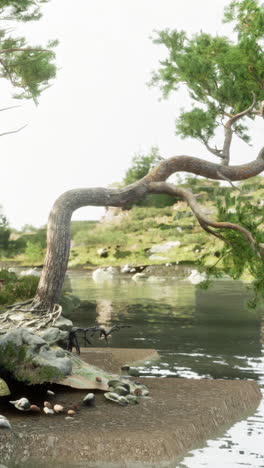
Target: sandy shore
(179, 415)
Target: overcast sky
(99, 111)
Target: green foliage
(197, 124)
(34, 252)
(141, 164)
(77, 226)
(21, 10)
(219, 74)
(14, 288)
(249, 18)
(100, 236)
(29, 68)
(4, 233)
(237, 258)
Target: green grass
(129, 239)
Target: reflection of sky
(242, 445)
(199, 334)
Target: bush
(34, 252)
(14, 288)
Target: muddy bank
(111, 359)
(179, 415)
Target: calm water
(199, 334)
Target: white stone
(102, 275)
(196, 277)
(158, 248)
(139, 277)
(30, 272)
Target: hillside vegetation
(128, 237)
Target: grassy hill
(127, 237)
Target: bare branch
(13, 131)
(217, 152)
(7, 108)
(205, 169)
(229, 181)
(229, 132)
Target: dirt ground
(179, 415)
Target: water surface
(199, 334)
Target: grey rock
(60, 353)
(63, 324)
(37, 350)
(21, 336)
(47, 357)
(4, 423)
(52, 335)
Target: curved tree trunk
(58, 236)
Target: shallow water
(199, 334)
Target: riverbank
(180, 415)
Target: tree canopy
(29, 68)
(224, 78)
(221, 74)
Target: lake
(198, 334)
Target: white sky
(99, 111)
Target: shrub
(14, 288)
(34, 252)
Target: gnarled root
(27, 314)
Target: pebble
(4, 423)
(71, 412)
(47, 404)
(89, 399)
(98, 379)
(69, 418)
(50, 392)
(58, 408)
(133, 372)
(125, 368)
(35, 408)
(48, 411)
(22, 404)
(121, 390)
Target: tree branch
(217, 152)
(8, 72)
(7, 108)
(21, 49)
(205, 222)
(205, 169)
(58, 231)
(229, 132)
(13, 131)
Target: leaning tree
(225, 81)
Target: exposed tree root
(26, 314)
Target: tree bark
(58, 235)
